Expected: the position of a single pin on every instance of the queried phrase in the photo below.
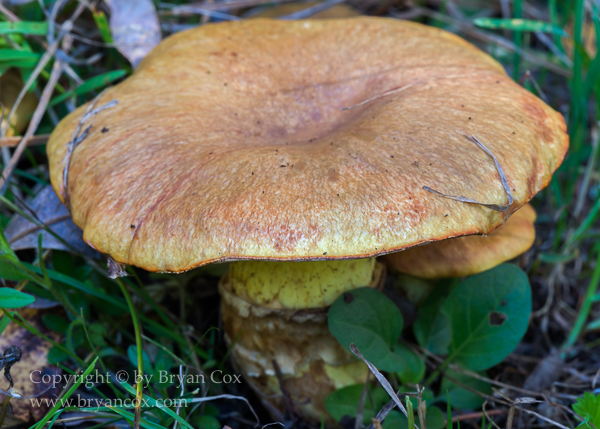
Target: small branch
(32, 141)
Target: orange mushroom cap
(465, 256)
(231, 141)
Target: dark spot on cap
(132, 226)
(104, 130)
(324, 253)
(348, 297)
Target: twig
(241, 398)
(539, 416)
(479, 377)
(33, 140)
(191, 8)
(475, 416)
(313, 10)
(361, 404)
(496, 207)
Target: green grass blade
(586, 307)
(517, 39)
(8, 55)
(67, 395)
(103, 26)
(24, 27)
(96, 82)
(448, 412)
(520, 25)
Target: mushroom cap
(465, 256)
(230, 142)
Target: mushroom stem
(277, 311)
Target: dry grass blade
(78, 137)
(310, 11)
(33, 141)
(390, 92)
(361, 403)
(241, 398)
(539, 416)
(382, 380)
(496, 207)
(191, 9)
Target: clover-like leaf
(372, 322)
(488, 315)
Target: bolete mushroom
(260, 141)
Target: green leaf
(64, 399)
(90, 85)
(556, 258)
(520, 25)
(8, 55)
(24, 27)
(478, 341)
(12, 298)
(344, 402)
(461, 398)
(413, 367)
(371, 321)
(588, 408)
(432, 327)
